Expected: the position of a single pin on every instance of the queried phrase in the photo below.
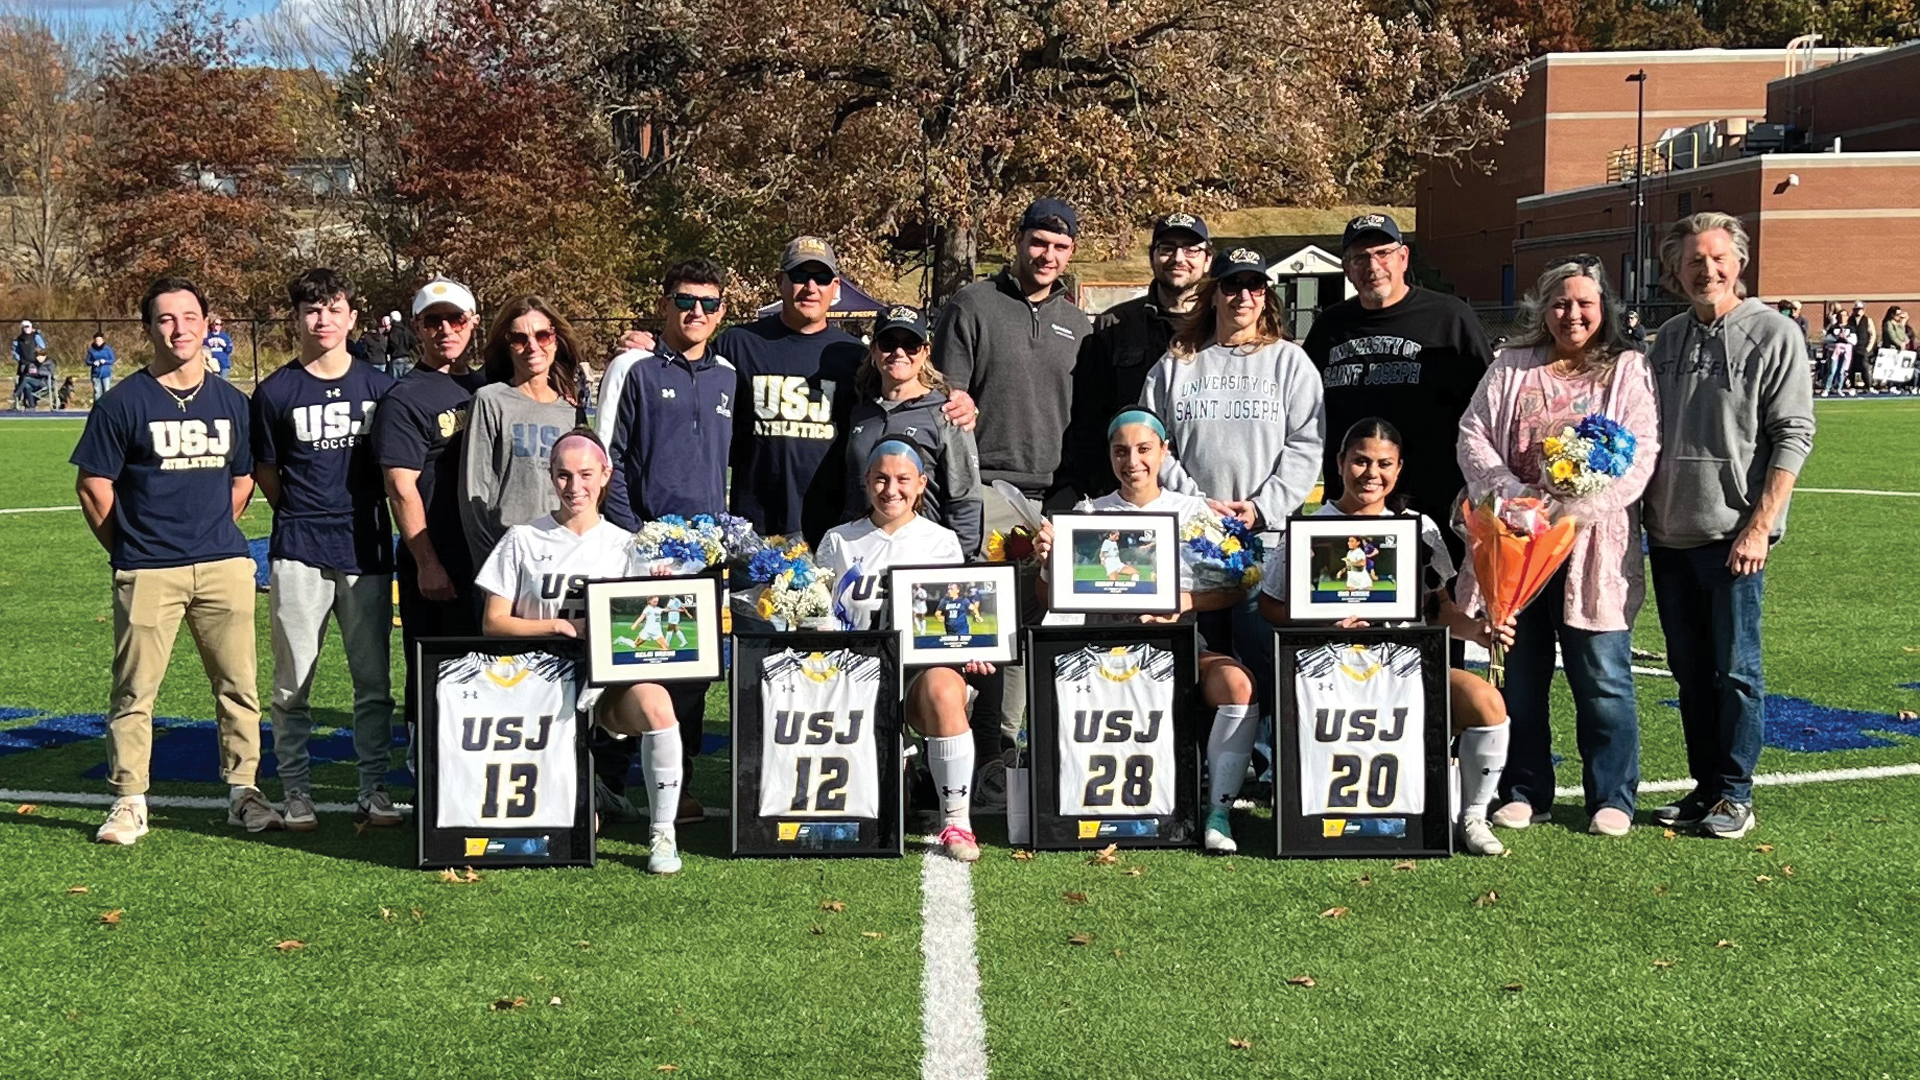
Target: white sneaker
(1477, 836)
(126, 822)
(1219, 833)
(300, 815)
(663, 854)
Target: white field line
(1819, 776)
(1478, 654)
(199, 802)
(37, 509)
(1857, 491)
(952, 1024)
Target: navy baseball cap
(902, 317)
(1049, 207)
(1371, 225)
(1238, 261)
(1181, 222)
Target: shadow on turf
(391, 847)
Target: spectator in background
(1866, 339)
(400, 343)
(100, 360)
(373, 345)
(1838, 341)
(1128, 339)
(1896, 334)
(30, 368)
(219, 349)
(1636, 332)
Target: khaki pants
(216, 599)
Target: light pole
(1639, 79)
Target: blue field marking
(1806, 728)
(14, 712)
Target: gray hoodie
(505, 478)
(1244, 425)
(1735, 401)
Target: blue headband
(896, 448)
(1138, 416)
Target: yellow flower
(996, 547)
(1251, 578)
(1230, 545)
(1562, 470)
(765, 606)
(1552, 446)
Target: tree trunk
(954, 263)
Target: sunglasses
(894, 343)
(687, 302)
(822, 278)
(434, 321)
(1236, 286)
(520, 341)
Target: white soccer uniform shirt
(1357, 577)
(506, 735)
(818, 755)
(543, 567)
(650, 623)
(1110, 556)
(675, 608)
(1363, 715)
(1115, 710)
(858, 555)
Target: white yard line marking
(37, 509)
(952, 1024)
(1819, 776)
(1858, 491)
(203, 802)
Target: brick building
(1817, 151)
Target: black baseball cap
(1238, 261)
(902, 317)
(1050, 207)
(1181, 222)
(802, 250)
(1371, 225)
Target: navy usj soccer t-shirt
(172, 467)
(319, 433)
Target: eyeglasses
(1377, 255)
(687, 302)
(894, 343)
(1168, 251)
(822, 278)
(518, 340)
(1236, 286)
(434, 321)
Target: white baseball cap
(26, 324)
(442, 291)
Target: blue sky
(115, 17)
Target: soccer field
(205, 952)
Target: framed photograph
(816, 744)
(1342, 567)
(1115, 562)
(504, 775)
(1110, 715)
(1364, 723)
(953, 614)
(654, 629)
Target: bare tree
(49, 116)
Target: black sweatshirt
(789, 433)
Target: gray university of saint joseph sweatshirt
(1736, 400)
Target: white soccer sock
(238, 790)
(950, 757)
(1483, 755)
(1229, 748)
(662, 768)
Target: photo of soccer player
(655, 623)
(653, 629)
(1113, 561)
(1355, 569)
(1337, 564)
(952, 613)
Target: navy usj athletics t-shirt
(172, 467)
(319, 433)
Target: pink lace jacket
(1606, 583)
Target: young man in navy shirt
(332, 547)
(417, 437)
(165, 471)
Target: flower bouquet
(793, 587)
(689, 545)
(1223, 552)
(1585, 458)
(1014, 546)
(1516, 546)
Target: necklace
(183, 402)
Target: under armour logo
(666, 392)
(334, 393)
(665, 784)
(959, 791)
(469, 694)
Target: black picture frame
(1428, 834)
(1307, 603)
(1004, 647)
(1054, 831)
(1063, 592)
(709, 593)
(441, 847)
(814, 836)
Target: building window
(1686, 203)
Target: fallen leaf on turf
(1663, 964)
(1080, 939)
(290, 945)
(416, 914)
(1405, 864)
(1787, 869)
(873, 934)
(27, 808)
(1074, 897)
(1116, 954)
(386, 914)
(362, 827)
(1762, 879)
(833, 905)
(1135, 871)
(584, 944)
(1240, 1044)
(816, 930)
(1909, 714)
(1302, 980)
(470, 876)
(1763, 848)
(1106, 856)
(1514, 987)
(1668, 834)
(451, 877)
(1490, 899)
(1881, 820)
(666, 1068)
(1723, 943)
(1022, 855)
(76, 890)
(1363, 880)
(1659, 890)
(111, 918)
(554, 1001)
(508, 1004)
(1334, 913)
(1910, 648)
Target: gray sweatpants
(302, 598)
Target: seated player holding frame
(568, 547)
(1370, 461)
(1137, 447)
(858, 556)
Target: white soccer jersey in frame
(505, 728)
(1115, 731)
(818, 755)
(1361, 729)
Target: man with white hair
(33, 372)
(1736, 425)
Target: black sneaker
(1729, 820)
(1685, 814)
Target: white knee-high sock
(950, 757)
(662, 767)
(1229, 748)
(1483, 754)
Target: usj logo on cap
(1180, 221)
(1371, 225)
(809, 249)
(902, 312)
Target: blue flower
(766, 565)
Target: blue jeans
(1836, 371)
(102, 382)
(1606, 718)
(1711, 620)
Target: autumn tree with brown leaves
(47, 118)
(192, 164)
